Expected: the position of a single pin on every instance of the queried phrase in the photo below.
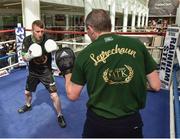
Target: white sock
(60, 114)
(28, 105)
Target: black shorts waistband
(125, 120)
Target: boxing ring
(160, 117)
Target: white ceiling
(16, 5)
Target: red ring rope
(82, 33)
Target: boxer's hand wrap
(65, 58)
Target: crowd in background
(6, 48)
(158, 25)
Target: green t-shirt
(114, 69)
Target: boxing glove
(50, 46)
(65, 58)
(34, 51)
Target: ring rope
(82, 33)
(7, 30)
(4, 42)
(159, 47)
(76, 46)
(73, 43)
(13, 65)
(176, 102)
(4, 57)
(171, 112)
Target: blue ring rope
(176, 101)
(4, 57)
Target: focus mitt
(65, 58)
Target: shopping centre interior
(151, 21)
(63, 13)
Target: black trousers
(124, 127)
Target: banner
(20, 35)
(168, 55)
(163, 8)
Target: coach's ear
(65, 58)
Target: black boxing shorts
(47, 80)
